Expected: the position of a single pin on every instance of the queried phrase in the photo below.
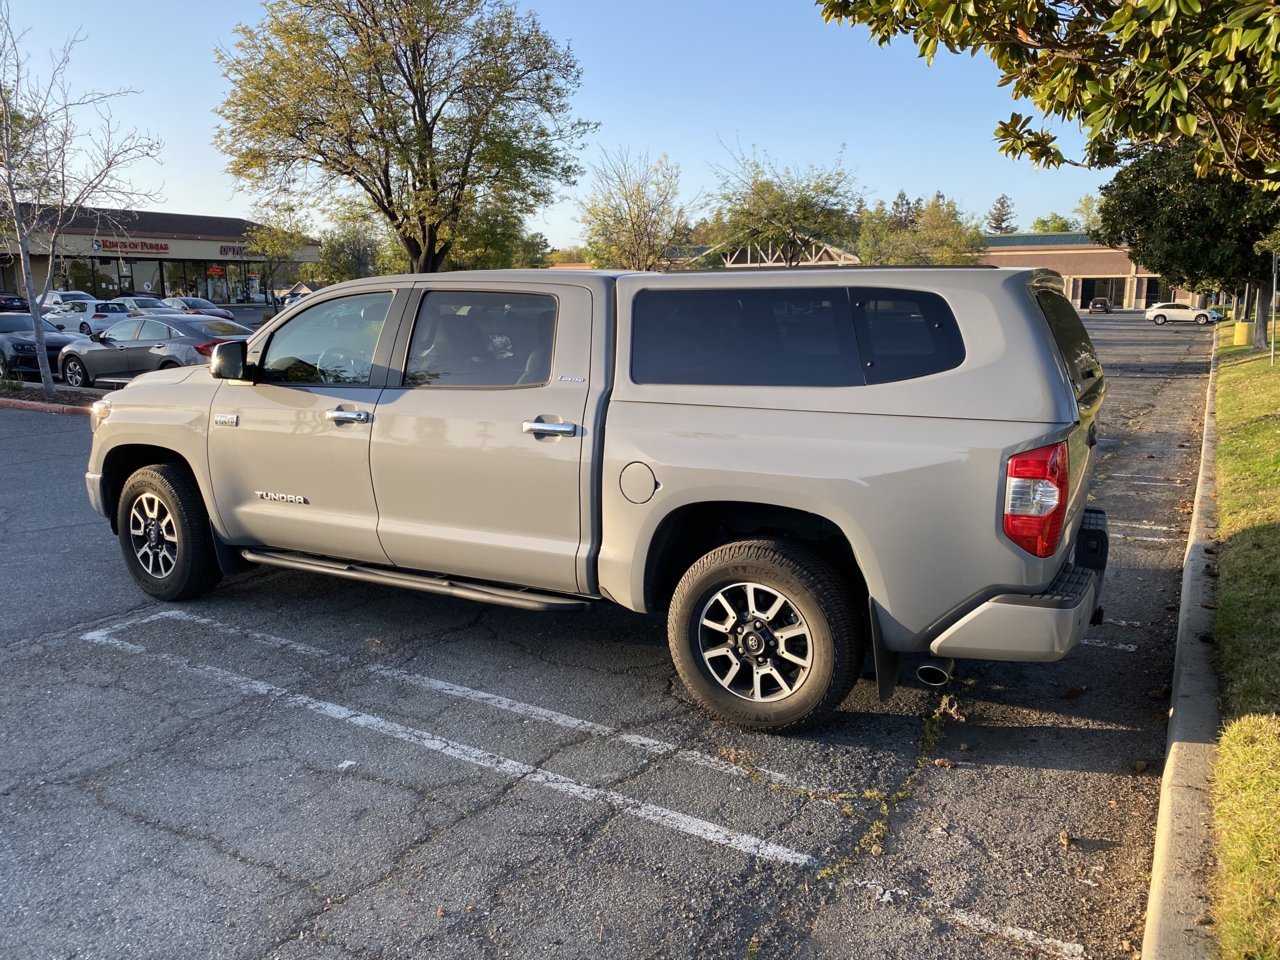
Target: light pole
(1275, 268)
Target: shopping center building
(111, 253)
(1089, 269)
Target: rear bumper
(1036, 627)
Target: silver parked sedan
(142, 344)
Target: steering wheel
(336, 365)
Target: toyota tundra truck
(797, 467)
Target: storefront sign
(131, 246)
(231, 250)
(216, 271)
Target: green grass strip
(1246, 790)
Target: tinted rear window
(1072, 339)
(796, 337)
(754, 337)
(904, 334)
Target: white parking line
(1127, 537)
(662, 816)
(1141, 476)
(1108, 645)
(673, 820)
(530, 711)
(1138, 526)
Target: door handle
(540, 428)
(348, 416)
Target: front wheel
(1159, 319)
(1202, 318)
(165, 535)
(762, 634)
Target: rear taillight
(1035, 498)
(99, 316)
(206, 349)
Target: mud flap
(886, 660)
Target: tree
(940, 233)
(275, 237)
(429, 108)
(1086, 212)
(1139, 72)
(633, 217)
(1197, 233)
(1000, 216)
(494, 237)
(574, 254)
(784, 209)
(349, 248)
(1054, 223)
(904, 212)
(52, 168)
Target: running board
(522, 599)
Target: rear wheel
(763, 635)
(165, 535)
(86, 329)
(74, 372)
(1159, 319)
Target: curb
(42, 407)
(1178, 905)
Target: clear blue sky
(680, 78)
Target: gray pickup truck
(797, 466)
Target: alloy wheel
(153, 534)
(755, 642)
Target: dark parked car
(198, 305)
(1099, 305)
(18, 344)
(142, 344)
(12, 301)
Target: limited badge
(226, 419)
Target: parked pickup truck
(797, 466)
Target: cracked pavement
(297, 766)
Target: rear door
(149, 350)
(478, 440)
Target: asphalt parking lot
(298, 766)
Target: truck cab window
(481, 339)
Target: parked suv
(796, 467)
(1162, 313)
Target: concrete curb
(1178, 905)
(42, 407)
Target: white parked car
(1164, 312)
(88, 316)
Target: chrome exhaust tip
(935, 672)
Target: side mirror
(229, 360)
(61, 326)
(96, 337)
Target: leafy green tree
(904, 212)
(348, 248)
(575, 254)
(429, 108)
(493, 237)
(1054, 223)
(1086, 212)
(782, 208)
(634, 218)
(52, 166)
(274, 238)
(1195, 232)
(940, 233)
(1000, 216)
(1137, 72)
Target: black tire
(76, 373)
(1159, 319)
(86, 329)
(1202, 318)
(815, 607)
(169, 365)
(165, 535)
(4, 368)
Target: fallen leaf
(1064, 838)
(944, 762)
(439, 911)
(1140, 766)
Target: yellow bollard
(1244, 334)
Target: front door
(476, 455)
(111, 359)
(289, 452)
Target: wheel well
(120, 465)
(691, 531)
